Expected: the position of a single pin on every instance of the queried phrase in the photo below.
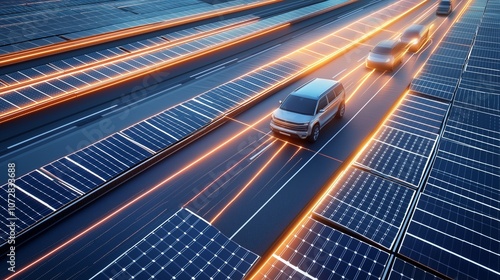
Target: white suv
(307, 109)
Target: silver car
(415, 36)
(386, 55)
(445, 7)
(309, 108)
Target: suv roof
(387, 44)
(315, 88)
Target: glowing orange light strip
(116, 59)
(132, 202)
(359, 85)
(15, 113)
(248, 183)
(290, 143)
(20, 56)
(224, 173)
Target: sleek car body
(445, 7)
(386, 55)
(415, 36)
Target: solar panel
(403, 270)
(479, 99)
(98, 19)
(469, 162)
(317, 251)
(445, 237)
(183, 247)
(28, 210)
(474, 128)
(72, 173)
(45, 189)
(434, 86)
(368, 205)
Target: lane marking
(211, 68)
(261, 151)
(210, 72)
(339, 73)
(59, 127)
(261, 52)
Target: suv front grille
(290, 125)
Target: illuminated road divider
(56, 48)
(98, 168)
(71, 66)
(43, 94)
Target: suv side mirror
(280, 101)
(321, 110)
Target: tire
(340, 110)
(314, 134)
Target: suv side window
(331, 95)
(338, 90)
(322, 103)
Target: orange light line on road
(224, 173)
(120, 34)
(290, 143)
(248, 183)
(131, 202)
(359, 85)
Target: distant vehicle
(415, 36)
(386, 55)
(445, 7)
(309, 108)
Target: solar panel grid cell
(367, 204)
(319, 251)
(182, 247)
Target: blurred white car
(386, 55)
(415, 36)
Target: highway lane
(166, 199)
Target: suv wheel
(314, 134)
(341, 110)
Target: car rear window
(410, 34)
(298, 104)
(381, 50)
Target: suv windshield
(300, 105)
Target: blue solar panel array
(402, 148)
(455, 228)
(97, 164)
(100, 69)
(368, 205)
(317, 251)
(25, 28)
(99, 57)
(183, 247)
(402, 270)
